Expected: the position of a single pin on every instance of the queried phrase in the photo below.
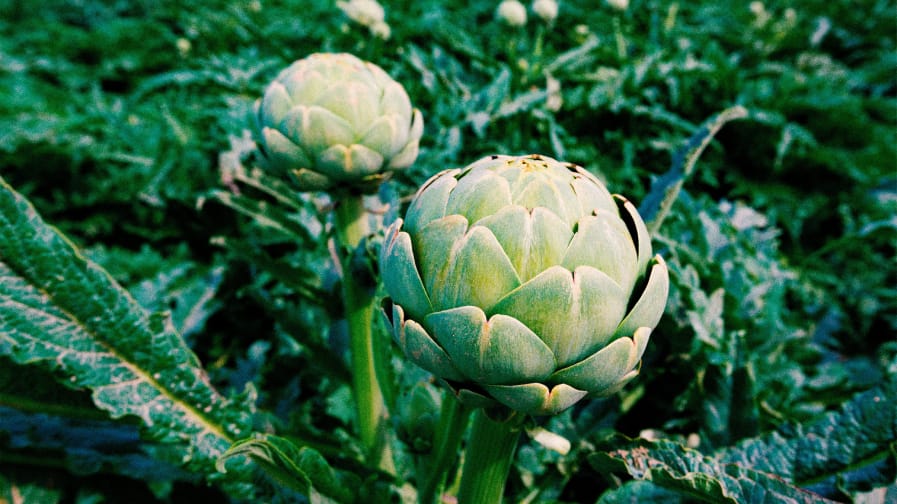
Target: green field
(128, 126)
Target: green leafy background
(140, 251)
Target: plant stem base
(488, 459)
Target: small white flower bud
(757, 8)
(761, 16)
(790, 16)
(620, 5)
(183, 46)
(364, 12)
(380, 30)
(547, 10)
(554, 100)
(512, 12)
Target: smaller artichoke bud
(418, 417)
(547, 10)
(511, 12)
(333, 121)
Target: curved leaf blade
(65, 314)
(301, 469)
(665, 189)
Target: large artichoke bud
(333, 120)
(522, 280)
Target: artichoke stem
(452, 423)
(351, 227)
(620, 40)
(488, 459)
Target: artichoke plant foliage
(523, 281)
(331, 120)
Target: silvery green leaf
(843, 450)
(65, 314)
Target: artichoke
(522, 281)
(334, 121)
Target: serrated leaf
(43, 421)
(853, 447)
(264, 213)
(29, 389)
(188, 291)
(521, 103)
(301, 469)
(575, 58)
(233, 170)
(693, 474)
(63, 313)
(727, 406)
(640, 492)
(85, 446)
(299, 278)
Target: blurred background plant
(118, 117)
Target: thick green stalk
(488, 459)
(351, 227)
(450, 431)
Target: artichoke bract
(331, 120)
(523, 281)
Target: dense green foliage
(125, 125)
